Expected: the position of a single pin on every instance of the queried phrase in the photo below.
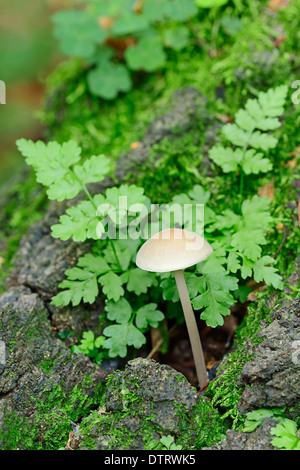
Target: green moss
(173, 165)
(224, 390)
(247, 64)
(203, 427)
(50, 427)
(134, 422)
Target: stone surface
(161, 387)
(36, 360)
(37, 364)
(260, 439)
(142, 403)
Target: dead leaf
(279, 40)
(224, 118)
(120, 45)
(134, 145)
(211, 363)
(73, 441)
(106, 22)
(291, 163)
(252, 296)
(267, 190)
(279, 226)
(137, 7)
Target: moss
(173, 165)
(17, 432)
(135, 420)
(247, 62)
(125, 430)
(49, 428)
(224, 390)
(203, 427)
(23, 202)
(47, 365)
(115, 431)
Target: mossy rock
(145, 402)
(42, 385)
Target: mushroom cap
(172, 249)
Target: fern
(241, 237)
(110, 269)
(238, 234)
(60, 167)
(248, 134)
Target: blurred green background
(28, 53)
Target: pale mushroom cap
(172, 249)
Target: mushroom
(174, 250)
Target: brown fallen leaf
(267, 190)
(106, 22)
(211, 363)
(134, 145)
(252, 296)
(279, 40)
(120, 45)
(279, 226)
(73, 441)
(224, 118)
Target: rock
(271, 378)
(54, 256)
(260, 439)
(161, 388)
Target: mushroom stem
(192, 328)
